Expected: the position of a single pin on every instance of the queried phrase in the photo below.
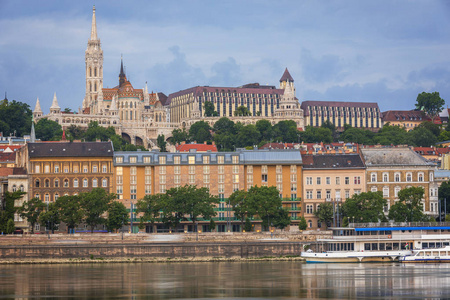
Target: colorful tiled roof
(197, 147)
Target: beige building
(390, 170)
(330, 178)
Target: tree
(391, 135)
(248, 225)
(224, 125)
(358, 135)
(75, 132)
(48, 130)
(434, 128)
(179, 136)
(286, 131)
(150, 206)
(117, 216)
(265, 129)
(200, 132)
(430, 103)
(67, 110)
(265, 202)
(242, 111)
(444, 194)
(8, 209)
(30, 210)
(325, 213)
(317, 135)
(345, 222)
(302, 225)
(409, 207)
(50, 218)
(97, 132)
(161, 142)
(332, 127)
(240, 205)
(71, 211)
(365, 207)
(95, 203)
(247, 136)
(281, 219)
(421, 136)
(15, 118)
(209, 109)
(10, 226)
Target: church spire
(122, 76)
(94, 26)
(55, 109)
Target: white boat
(380, 242)
(437, 255)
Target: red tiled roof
(198, 147)
(10, 156)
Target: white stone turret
(113, 111)
(289, 105)
(146, 95)
(55, 109)
(37, 112)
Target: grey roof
(268, 157)
(392, 157)
(333, 161)
(70, 149)
(442, 173)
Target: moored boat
(436, 255)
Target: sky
(369, 51)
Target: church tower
(94, 71)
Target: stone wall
(155, 250)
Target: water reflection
(289, 280)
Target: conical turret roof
(286, 76)
(37, 108)
(94, 26)
(55, 102)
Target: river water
(237, 280)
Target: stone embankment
(101, 248)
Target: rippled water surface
(269, 280)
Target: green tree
(161, 142)
(75, 132)
(67, 110)
(48, 130)
(248, 225)
(71, 211)
(325, 213)
(444, 195)
(391, 135)
(421, 136)
(209, 109)
(332, 127)
(96, 132)
(281, 219)
(212, 225)
(95, 203)
(357, 135)
(409, 207)
(240, 205)
(317, 135)
(178, 136)
(302, 225)
(265, 202)
(10, 226)
(431, 103)
(225, 142)
(200, 132)
(247, 136)
(117, 216)
(15, 118)
(224, 125)
(150, 206)
(434, 128)
(50, 217)
(8, 208)
(345, 222)
(30, 210)
(365, 207)
(286, 131)
(242, 111)
(265, 129)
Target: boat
(378, 242)
(436, 255)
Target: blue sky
(371, 51)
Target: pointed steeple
(37, 108)
(55, 102)
(94, 26)
(122, 77)
(286, 76)
(113, 106)
(33, 133)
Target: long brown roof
(333, 161)
(338, 104)
(70, 149)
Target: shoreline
(101, 260)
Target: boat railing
(398, 224)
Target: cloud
(323, 69)
(226, 73)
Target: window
(56, 183)
(373, 189)
(431, 176)
(94, 169)
(148, 170)
(309, 180)
(47, 183)
(56, 196)
(293, 169)
(133, 159)
(318, 180)
(75, 168)
(162, 169)
(46, 169)
(47, 198)
(319, 194)
(206, 159)
(162, 179)
(338, 180)
(408, 177)
(56, 168)
(293, 177)
(147, 159)
(347, 180)
(221, 188)
(373, 177)
(236, 178)
(347, 194)
(37, 168)
(397, 177)
(119, 159)
(220, 159)
(66, 183)
(191, 179)
(385, 191)
(264, 169)
(94, 182)
(191, 160)
(176, 170)
(328, 195)
(309, 209)
(385, 177)
(235, 169)
(279, 169)
(420, 177)
(206, 178)
(279, 178)
(66, 169)
(264, 177)
(220, 169)
(119, 179)
(85, 183)
(357, 180)
(104, 168)
(162, 160)
(148, 189)
(85, 169)
(191, 169)
(119, 189)
(235, 159)
(119, 171)
(328, 180)
(14, 188)
(396, 190)
(309, 194)
(249, 169)
(133, 179)
(176, 160)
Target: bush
(248, 225)
(302, 225)
(10, 226)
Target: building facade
(330, 178)
(390, 170)
(408, 119)
(146, 173)
(364, 115)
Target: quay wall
(152, 250)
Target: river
(238, 280)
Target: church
(139, 116)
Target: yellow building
(408, 119)
(146, 173)
(330, 178)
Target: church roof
(286, 76)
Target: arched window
(420, 177)
(385, 191)
(397, 177)
(85, 183)
(47, 183)
(90, 87)
(56, 183)
(105, 182)
(385, 177)
(56, 196)
(14, 188)
(47, 198)
(75, 183)
(66, 183)
(37, 196)
(309, 223)
(373, 177)
(95, 87)
(90, 72)
(56, 168)
(95, 72)
(94, 183)
(94, 169)
(22, 189)
(37, 183)
(408, 177)
(431, 176)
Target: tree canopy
(48, 130)
(409, 207)
(15, 118)
(431, 103)
(365, 207)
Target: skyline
(348, 51)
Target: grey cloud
(322, 69)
